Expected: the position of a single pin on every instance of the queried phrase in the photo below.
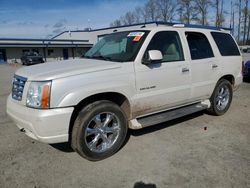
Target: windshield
(121, 47)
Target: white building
(66, 45)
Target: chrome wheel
(102, 132)
(222, 98)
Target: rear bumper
(48, 126)
(238, 81)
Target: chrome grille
(18, 86)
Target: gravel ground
(179, 153)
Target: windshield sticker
(137, 39)
(137, 36)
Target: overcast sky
(41, 18)
(46, 18)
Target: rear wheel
(99, 130)
(221, 98)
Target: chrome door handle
(214, 66)
(185, 69)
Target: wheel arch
(228, 77)
(115, 97)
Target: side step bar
(170, 115)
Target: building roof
(19, 42)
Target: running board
(170, 115)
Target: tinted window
(199, 46)
(226, 44)
(168, 42)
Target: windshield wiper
(87, 57)
(102, 57)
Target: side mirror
(153, 56)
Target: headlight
(39, 95)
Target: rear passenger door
(203, 65)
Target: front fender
(76, 96)
(69, 92)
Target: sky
(46, 18)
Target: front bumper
(48, 126)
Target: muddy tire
(99, 130)
(221, 98)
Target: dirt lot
(174, 154)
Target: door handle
(185, 70)
(214, 66)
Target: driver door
(165, 84)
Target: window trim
(203, 34)
(180, 45)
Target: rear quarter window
(225, 44)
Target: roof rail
(142, 25)
(174, 24)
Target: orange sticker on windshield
(137, 38)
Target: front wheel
(221, 98)
(99, 130)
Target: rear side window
(226, 44)
(199, 46)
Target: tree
(248, 29)
(116, 23)
(166, 9)
(219, 6)
(151, 10)
(202, 7)
(186, 11)
(239, 24)
(245, 15)
(139, 15)
(128, 18)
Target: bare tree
(116, 23)
(151, 10)
(166, 9)
(139, 15)
(219, 6)
(239, 4)
(248, 29)
(232, 17)
(186, 10)
(202, 7)
(245, 15)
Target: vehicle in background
(246, 70)
(31, 58)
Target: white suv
(130, 79)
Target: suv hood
(60, 69)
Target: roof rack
(142, 25)
(175, 24)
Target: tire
(221, 98)
(99, 130)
